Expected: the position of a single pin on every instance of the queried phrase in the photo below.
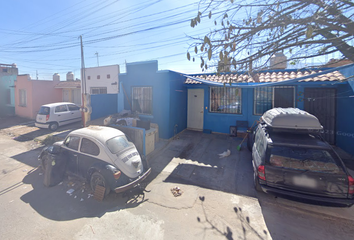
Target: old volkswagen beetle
(102, 155)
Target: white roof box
(291, 118)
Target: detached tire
(98, 179)
(53, 126)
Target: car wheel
(53, 126)
(98, 179)
(257, 186)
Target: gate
(321, 102)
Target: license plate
(39, 118)
(304, 181)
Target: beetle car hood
(129, 162)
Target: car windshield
(44, 111)
(308, 159)
(117, 144)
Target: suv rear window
(44, 110)
(308, 159)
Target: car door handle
(75, 155)
(58, 115)
(72, 113)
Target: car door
(70, 151)
(90, 154)
(75, 113)
(61, 114)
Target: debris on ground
(176, 191)
(70, 191)
(225, 154)
(99, 193)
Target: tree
(251, 31)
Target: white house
(102, 80)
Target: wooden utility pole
(83, 84)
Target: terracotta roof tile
(264, 77)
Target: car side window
(72, 142)
(61, 108)
(73, 107)
(89, 147)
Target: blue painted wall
(178, 104)
(103, 105)
(345, 118)
(165, 111)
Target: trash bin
(54, 170)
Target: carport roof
(267, 77)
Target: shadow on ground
(56, 204)
(199, 164)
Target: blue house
(216, 102)
(160, 96)
(8, 75)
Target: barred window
(225, 100)
(142, 100)
(266, 98)
(98, 90)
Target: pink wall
(39, 92)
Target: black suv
(290, 158)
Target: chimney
(56, 77)
(278, 61)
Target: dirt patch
(187, 150)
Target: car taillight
(351, 185)
(117, 175)
(261, 172)
(47, 117)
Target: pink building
(31, 94)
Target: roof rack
(290, 119)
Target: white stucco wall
(93, 81)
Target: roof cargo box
(291, 119)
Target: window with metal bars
(142, 100)
(225, 100)
(98, 90)
(266, 98)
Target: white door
(195, 109)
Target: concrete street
(218, 200)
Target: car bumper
(133, 184)
(342, 201)
(41, 125)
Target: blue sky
(43, 36)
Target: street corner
(172, 195)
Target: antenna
(97, 59)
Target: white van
(54, 115)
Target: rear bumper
(134, 183)
(272, 190)
(41, 125)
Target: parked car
(102, 155)
(290, 157)
(54, 115)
